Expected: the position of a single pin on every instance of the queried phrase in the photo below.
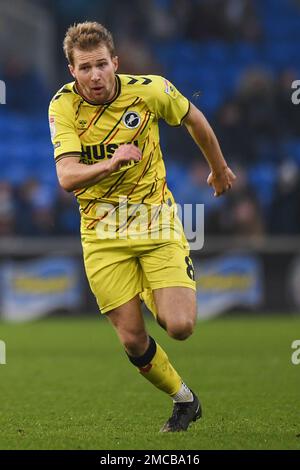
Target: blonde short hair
(87, 36)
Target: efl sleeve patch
(170, 89)
(52, 127)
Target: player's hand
(222, 181)
(123, 155)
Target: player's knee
(135, 343)
(181, 329)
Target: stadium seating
(212, 68)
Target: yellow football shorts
(119, 269)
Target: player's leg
(176, 313)
(176, 310)
(170, 273)
(142, 350)
(115, 277)
(171, 295)
(128, 322)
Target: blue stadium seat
(5, 156)
(210, 100)
(262, 177)
(276, 9)
(230, 77)
(245, 54)
(177, 172)
(16, 173)
(214, 53)
(281, 54)
(290, 149)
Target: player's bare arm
(221, 176)
(75, 175)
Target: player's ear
(115, 61)
(71, 68)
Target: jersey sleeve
(169, 104)
(64, 137)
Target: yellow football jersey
(94, 132)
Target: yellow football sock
(155, 366)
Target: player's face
(94, 72)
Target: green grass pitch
(67, 384)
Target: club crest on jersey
(131, 119)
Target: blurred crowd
(228, 57)
(259, 132)
(35, 210)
